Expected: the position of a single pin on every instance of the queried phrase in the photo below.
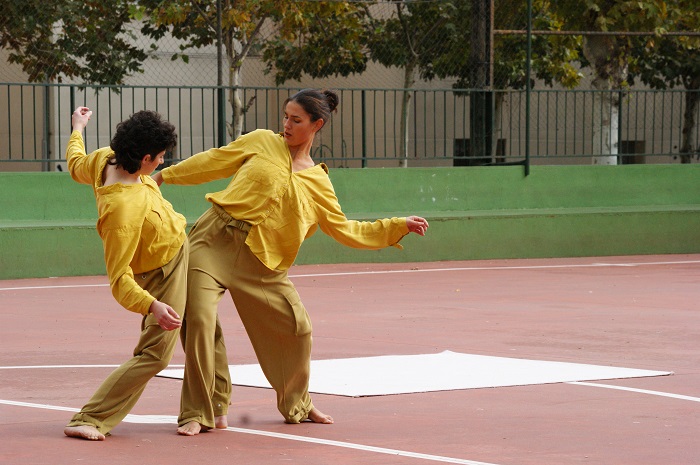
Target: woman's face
(298, 128)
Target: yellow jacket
(140, 230)
(283, 207)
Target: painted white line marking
(349, 445)
(169, 419)
(642, 391)
(41, 406)
(67, 286)
(427, 270)
(32, 367)
(497, 268)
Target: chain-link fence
(423, 82)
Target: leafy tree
(552, 58)
(322, 39)
(609, 55)
(670, 61)
(435, 39)
(64, 39)
(323, 33)
(408, 40)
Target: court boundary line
(425, 270)
(641, 391)
(169, 419)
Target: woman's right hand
(167, 318)
(80, 118)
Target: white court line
(349, 445)
(169, 419)
(30, 367)
(642, 391)
(71, 286)
(427, 270)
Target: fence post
(220, 96)
(528, 87)
(364, 131)
(46, 143)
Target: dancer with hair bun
(246, 242)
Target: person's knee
(159, 350)
(198, 320)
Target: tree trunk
(604, 146)
(688, 142)
(606, 57)
(234, 98)
(408, 82)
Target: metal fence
(564, 125)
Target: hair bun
(332, 99)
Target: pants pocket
(301, 317)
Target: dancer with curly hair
(146, 254)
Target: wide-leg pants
(118, 394)
(269, 306)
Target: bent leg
(118, 394)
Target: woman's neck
(300, 152)
(301, 157)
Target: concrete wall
(47, 220)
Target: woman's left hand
(417, 225)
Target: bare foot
(317, 416)
(221, 422)
(84, 432)
(191, 429)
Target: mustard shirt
(283, 207)
(140, 230)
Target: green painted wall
(47, 220)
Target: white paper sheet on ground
(402, 374)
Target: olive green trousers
(269, 306)
(118, 394)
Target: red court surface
(636, 312)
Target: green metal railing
(648, 126)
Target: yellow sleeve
(79, 164)
(357, 234)
(119, 246)
(210, 165)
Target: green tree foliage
(322, 39)
(609, 56)
(434, 40)
(327, 35)
(64, 39)
(668, 61)
(410, 39)
(553, 56)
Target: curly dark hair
(144, 133)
